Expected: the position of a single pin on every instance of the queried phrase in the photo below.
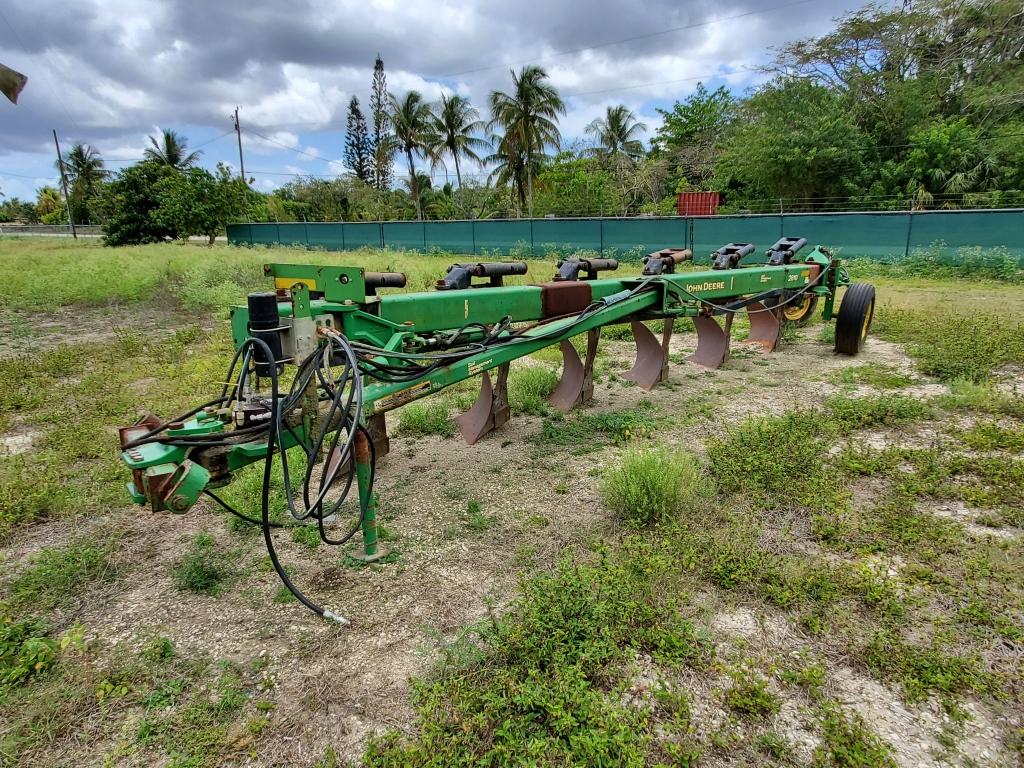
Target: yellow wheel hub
(797, 310)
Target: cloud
(116, 68)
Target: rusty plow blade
(489, 411)
(576, 386)
(651, 364)
(712, 342)
(764, 326)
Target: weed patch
(652, 484)
(953, 346)
(205, 568)
(427, 417)
(529, 387)
(537, 689)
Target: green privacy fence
(882, 236)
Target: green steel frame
(335, 298)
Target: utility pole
(64, 183)
(242, 165)
(241, 161)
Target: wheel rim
(867, 321)
(794, 312)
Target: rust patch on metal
(567, 297)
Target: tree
(576, 186)
(946, 163)
(691, 133)
(171, 150)
(358, 149)
(701, 114)
(528, 116)
(383, 144)
(22, 211)
(795, 140)
(50, 206)
(618, 132)
(129, 203)
(195, 202)
(413, 125)
(84, 166)
(455, 124)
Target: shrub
(650, 485)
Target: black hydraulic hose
(268, 465)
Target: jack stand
(372, 551)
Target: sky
(112, 72)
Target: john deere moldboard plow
(355, 355)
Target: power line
(321, 158)
(33, 178)
(633, 38)
(655, 82)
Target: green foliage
(195, 202)
(25, 650)
(653, 484)
(750, 696)
(426, 417)
(130, 203)
(922, 671)
(940, 262)
(586, 432)
(746, 459)
(873, 375)
(955, 346)
(571, 186)
(796, 137)
(532, 691)
(529, 387)
(848, 743)
(307, 535)
(702, 114)
(54, 577)
(852, 413)
(205, 568)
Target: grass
(848, 743)
(750, 696)
(532, 687)
(952, 346)
(650, 485)
(529, 387)
(584, 432)
(56, 578)
(873, 375)
(46, 273)
(426, 417)
(205, 568)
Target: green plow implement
(321, 358)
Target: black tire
(853, 321)
(800, 310)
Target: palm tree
(171, 150)
(618, 132)
(84, 167)
(529, 118)
(509, 168)
(454, 125)
(412, 122)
